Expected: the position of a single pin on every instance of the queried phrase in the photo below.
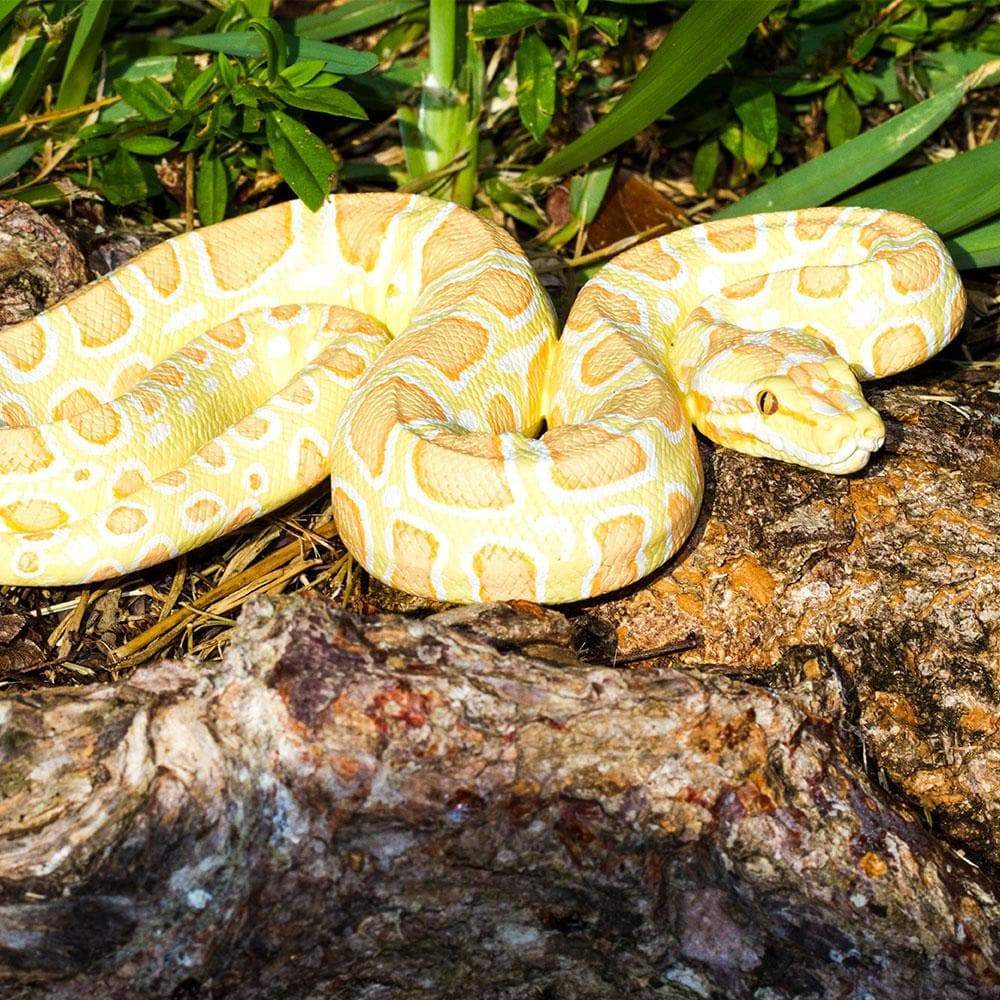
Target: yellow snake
(405, 346)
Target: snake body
(406, 347)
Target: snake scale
(404, 347)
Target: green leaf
(274, 43)
(696, 45)
(79, 71)
(326, 100)
(351, 17)
(248, 45)
(148, 145)
(977, 247)
(536, 85)
(706, 162)
(819, 180)
(300, 73)
(211, 190)
(949, 196)
(11, 160)
(505, 18)
(862, 85)
(198, 87)
(756, 107)
(124, 181)
(149, 97)
(843, 119)
(301, 158)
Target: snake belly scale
(405, 347)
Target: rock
(892, 574)
(383, 807)
(39, 264)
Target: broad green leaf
(149, 145)
(978, 247)
(862, 86)
(353, 16)
(326, 100)
(757, 109)
(211, 190)
(949, 196)
(248, 45)
(124, 181)
(819, 180)
(754, 152)
(706, 162)
(11, 160)
(300, 73)
(500, 19)
(843, 119)
(77, 75)
(149, 97)
(696, 45)
(301, 158)
(536, 85)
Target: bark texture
(385, 807)
(893, 575)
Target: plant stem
(442, 42)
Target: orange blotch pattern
(101, 313)
(126, 520)
(585, 456)
(350, 527)
(504, 573)
(476, 484)
(23, 450)
(899, 348)
(605, 360)
(452, 345)
(362, 228)
(203, 510)
(822, 282)
(23, 345)
(737, 238)
(99, 426)
(34, 515)
(252, 245)
(384, 407)
(312, 464)
(161, 268)
(414, 552)
(620, 541)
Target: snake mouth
(852, 455)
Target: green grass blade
(248, 45)
(852, 163)
(355, 15)
(697, 44)
(7, 8)
(83, 53)
(949, 196)
(977, 248)
(11, 160)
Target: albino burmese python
(406, 345)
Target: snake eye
(767, 403)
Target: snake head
(809, 413)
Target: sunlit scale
(405, 346)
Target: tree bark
(385, 807)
